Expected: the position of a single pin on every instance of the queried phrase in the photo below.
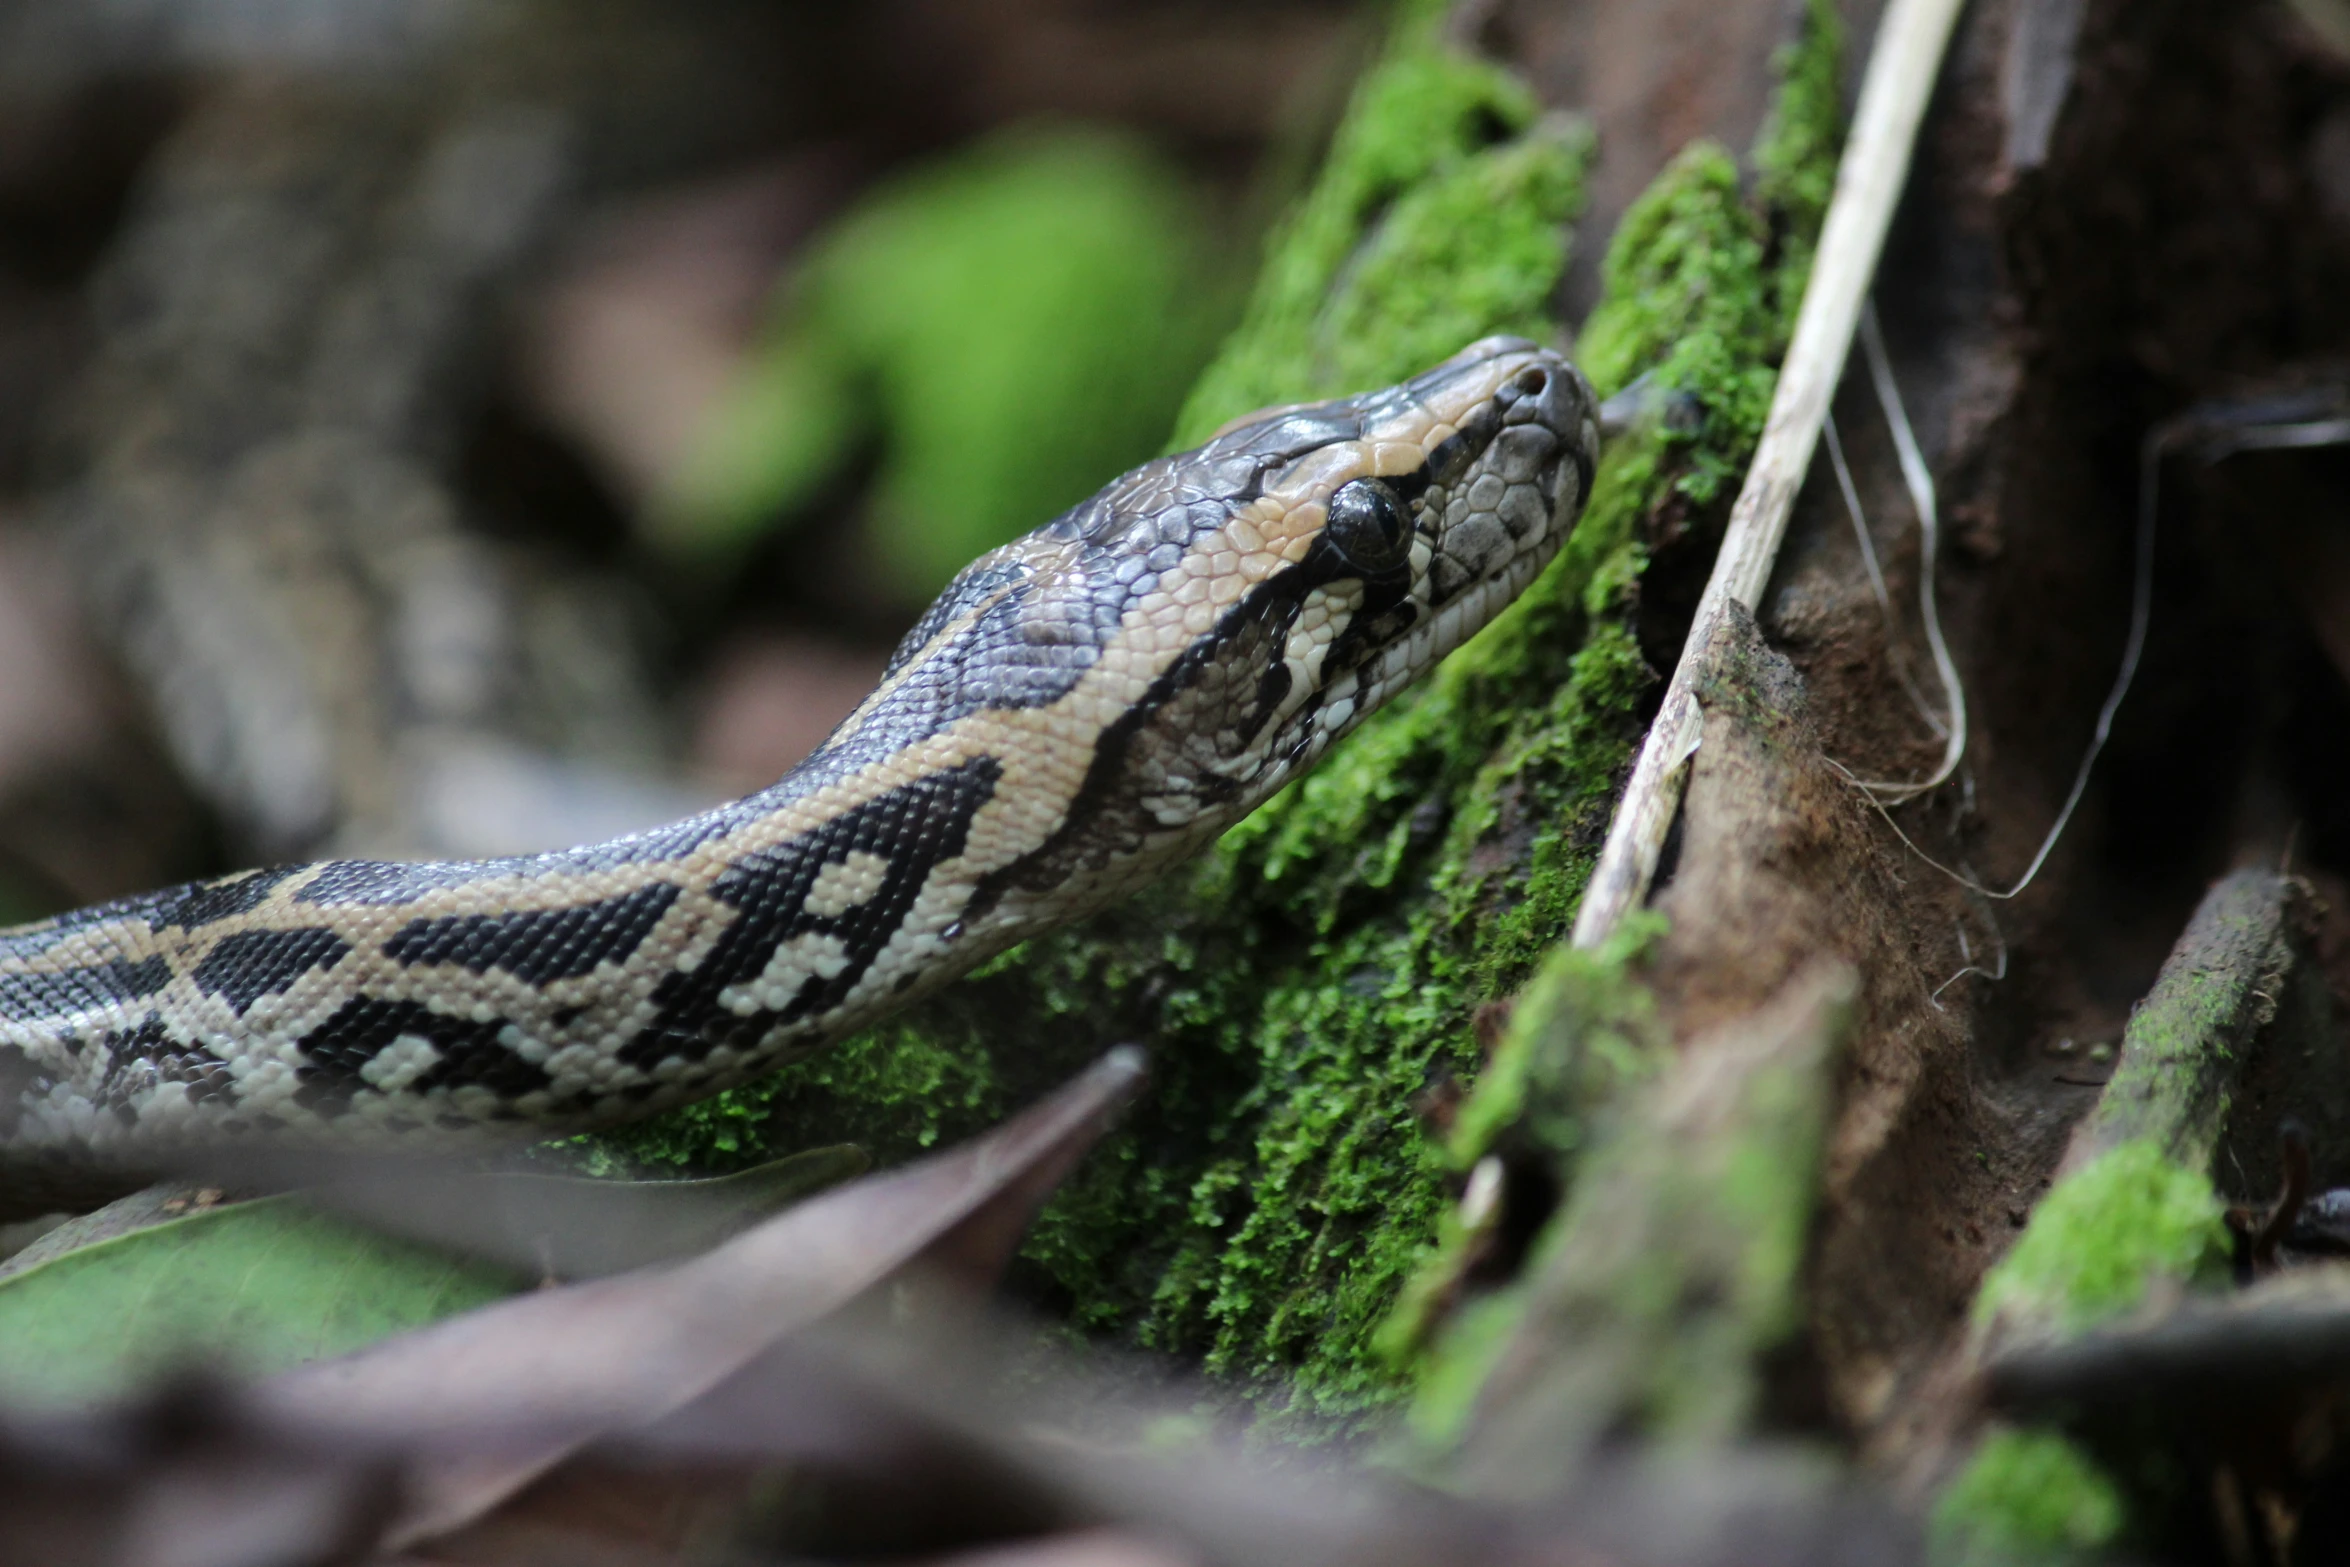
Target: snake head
(1403, 520)
(1164, 656)
(1326, 555)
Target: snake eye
(1369, 526)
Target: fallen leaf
(542, 1225)
(249, 1288)
(1082, 1548)
(524, 1383)
(180, 1477)
(889, 1422)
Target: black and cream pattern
(1080, 708)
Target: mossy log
(2239, 1022)
(1307, 986)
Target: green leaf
(248, 1288)
(255, 1287)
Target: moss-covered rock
(1307, 984)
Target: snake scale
(1080, 709)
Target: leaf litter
(822, 1385)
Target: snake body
(1080, 709)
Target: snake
(1079, 710)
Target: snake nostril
(1533, 380)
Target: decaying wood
(2173, 1087)
(1673, 1272)
(1903, 67)
(2015, 288)
(2225, 1419)
(2218, 1011)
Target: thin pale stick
(1907, 57)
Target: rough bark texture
(2070, 267)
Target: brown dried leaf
(1082, 1548)
(526, 1382)
(537, 1225)
(913, 1445)
(182, 1478)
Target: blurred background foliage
(1004, 325)
(481, 426)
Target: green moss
(1305, 985)
(902, 1089)
(1687, 300)
(2182, 1054)
(1700, 286)
(2104, 1237)
(1581, 1030)
(1452, 1377)
(2025, 1496)
(1425, 230)
(1795, 157)
(1672, 1267)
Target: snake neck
(374, 1000)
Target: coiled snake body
(1078, 710)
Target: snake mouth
(1501, 489)
(1492, 453)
